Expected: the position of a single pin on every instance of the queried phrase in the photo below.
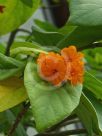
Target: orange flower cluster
(57, 68)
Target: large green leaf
(90, 115)
(49, 104)
(12, 92)
(80, 36)
(9, 66)
(15, 13)
(93, 84)
(86, 12)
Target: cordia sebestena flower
(56, 68)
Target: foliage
(19, 75)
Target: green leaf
(30, 48)
(15, 13)
(98, 108)
(10, 117)
(89, 115)
(80, 36)
(93, 84)
(94, 58)
(25, 44)
(46, 26)
(12, 92)
(28, 3)
(9, 66)
(6, 119)
(27, 51)
(66, 29)
(86, 12)
(46, 100)
(2, 48)
(46, 38)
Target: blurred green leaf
(47, 100)
(46, 38)
(93, 84)
(12, 92)
(98, 108)
(45, 26)
(89, 115)
(6, 120)
(94, 58)
(80, 36)
(26, 51)
(2, 48)
(86, 12)
(15, 13)
(66, 29)
(20, 131)
(28, 3)
(25, 44)
(9, 66)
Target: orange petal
(73, 57)
(52, 68)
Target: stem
(18, 119)
(68, 123)
(62, 122)
(12, 37)
(65, 124)
(10, 41)
(64, 133)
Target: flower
(57, 68)
(77, 72)
(75, 59)
(70, 54)
(52, 67)
(1, 8)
